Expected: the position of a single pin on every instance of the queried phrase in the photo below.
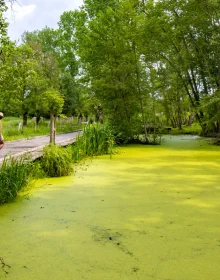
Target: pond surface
(151, 212)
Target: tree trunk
(190, 120)
(25, 118)
(218, 126)
(179, 118)
(37, 118)
(52, 128)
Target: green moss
(152, 212)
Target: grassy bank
(13, 130)
(194, 129)
(15, 174)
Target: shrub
(153, 139)
(15, 174)
(56, 161)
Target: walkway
(35, 145)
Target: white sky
(29, 15)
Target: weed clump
(96, 139)
(56, 161)
(15, 174)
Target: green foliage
(52, 101)
(27, 75)
(210, 106)
(56, 161)
(3, 24)
(153, 139)
(144, 61)
(15, 175)
(95, 140)
(194, 129)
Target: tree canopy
(145, 62)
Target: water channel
(150, 212)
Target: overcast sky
(30, 15)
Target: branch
(4, 265)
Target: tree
(185, 38)
(57, 45)
(3, 26)
(52, 103)
(16, 73)
(113, 66)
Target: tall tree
(184, 36)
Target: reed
(15, 174)
(95, 140)
(56, 161)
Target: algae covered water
(150, 212)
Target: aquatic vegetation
(15, 174)
(95, 140)
(56, 161)
(152, 212)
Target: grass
(56, 161)
(194, 129)
(11, 128)
(95, 140)
(15, 174)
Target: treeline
(145, 62)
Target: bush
(56, 161)
(152, 139)
(15, 174)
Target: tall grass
(15, 174)
(95, 140)
(56, 161)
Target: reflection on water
(152, 212)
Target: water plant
(56, 161)
(96, 139)
(15, 174)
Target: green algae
(151, 212)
